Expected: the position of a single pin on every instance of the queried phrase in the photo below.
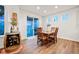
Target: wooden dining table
(48, 33)
(47, 36)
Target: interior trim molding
(76, 40)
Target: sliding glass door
(36, 24)
(29, 26)
(32, 25)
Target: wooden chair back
(39, 30)
(55, 29)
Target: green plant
(13, 22)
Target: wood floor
(61, 47)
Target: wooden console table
(12, 43)
(15, 51)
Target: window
(32, 25)
(55, 19)
(1, 20)
(48, 20)
(43, 17)
(65, 17)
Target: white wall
(68, 29)
(7, 17)
(9, 9)
(23, 21)
(22, 16)
(77, 20)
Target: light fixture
(38, 8)
(45, 11)
(56, 7)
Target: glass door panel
(29, 26)
(36, 24)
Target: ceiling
(46, 9)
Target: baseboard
(69, 39)
(60, 38)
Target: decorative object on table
(14, 27)
(48, 27)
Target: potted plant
(14, 25)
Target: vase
(13, 29)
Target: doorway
(32, 25)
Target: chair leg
(39, 42)
(56, 40)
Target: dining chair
(53, 36)
(41, 37)
(39, 30)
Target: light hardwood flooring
(62, 46)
